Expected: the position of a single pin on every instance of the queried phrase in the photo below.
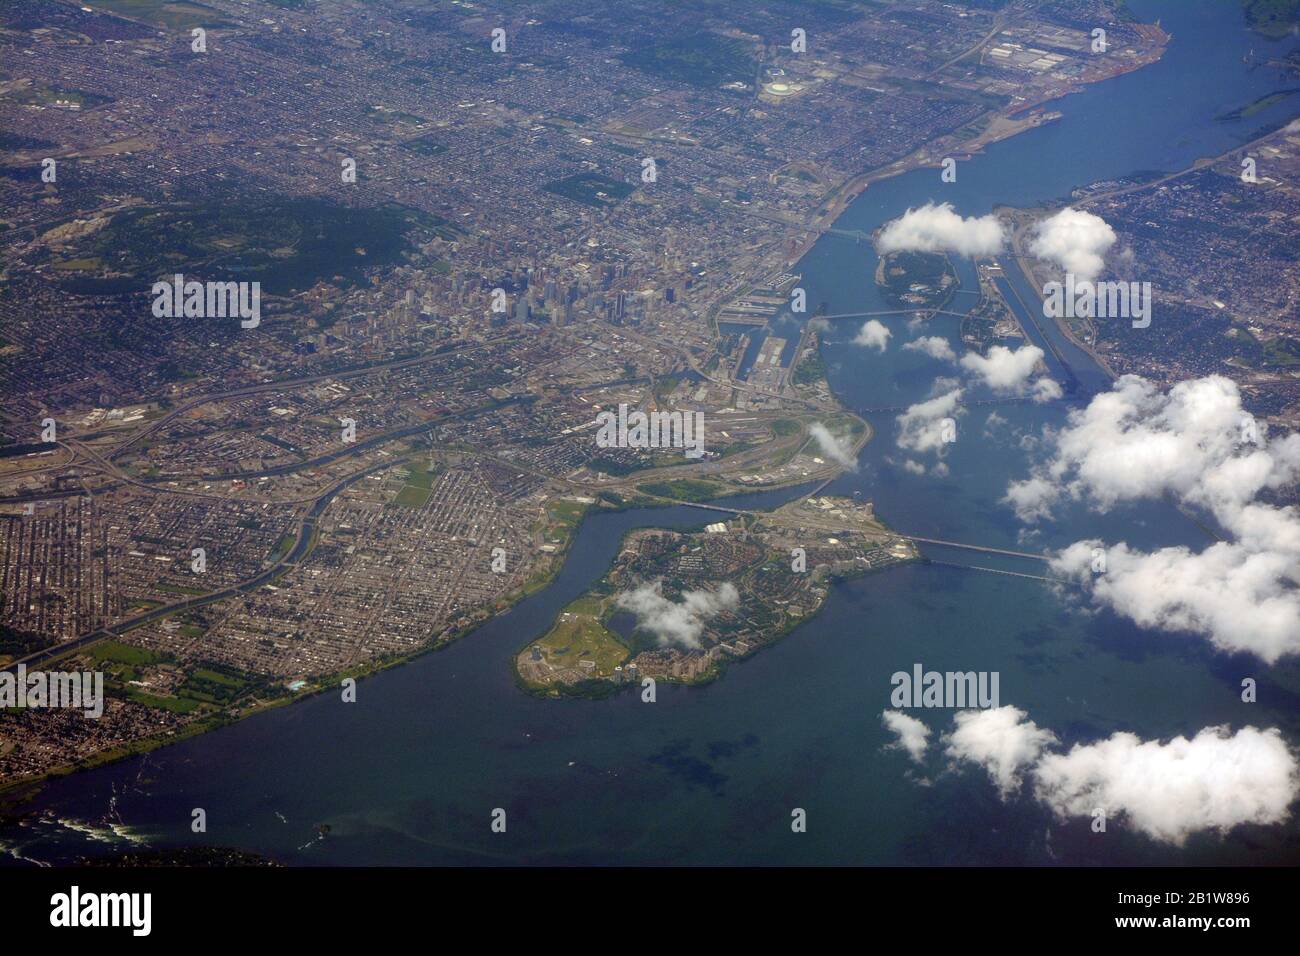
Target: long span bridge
(984, 549)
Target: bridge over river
(985, 549)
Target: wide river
(411, 773)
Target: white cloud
(1002, 740)
(1046, 390)
(1032, 498)
(1238, 598)
(873, 334)
(912, 734)
(937, 228)
(915, 467)
(1075, 240)
(1002, 369)
(838, 450)
(1214, 781)
(1134, 443)
(935, 346)
(677, 623)
(920, 428)
(1167, 790)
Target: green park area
(286, 244)
(579, 634)
(419, 483)
(702, 59)
(590, 188)
(685, 489)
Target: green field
(419, 482)
(78, 265)
(38, 95)
(117, 652)
(283, 547)
(1282, 351)
(665, 386)
(177, 705)
(562, 518)
(579, 635)
(565, 511)
(121, 663)
(411, 497)
(685, 489)
(422, 476)
(212, 687)
(1275, 351)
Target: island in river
(916, 280)
(657, 614)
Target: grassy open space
(566, 512)
(211, 686)
(411, 497)
(177, 705)
(579, 635)
(283, 547)
(419, 483)
(37, 94)
(685, 489)
(592, 189)
(116, 652)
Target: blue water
(411, 773)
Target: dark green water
(411, 773)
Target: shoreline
(607, 687)
(1000, 126)
(16, 792)
(1023, 217)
